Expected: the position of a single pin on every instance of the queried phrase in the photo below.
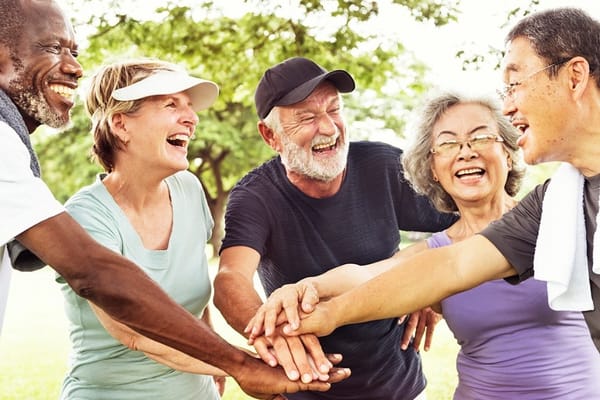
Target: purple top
(513, 346)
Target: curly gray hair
(416, 160)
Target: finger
(270, 320)
(313, 346)
(334, 359)
(301, 359)
(262, 349)
(285, 358)
(339, 374)
(315, 386)
(409, 330)
(254, 321)
(291, 313)
(419, 332)
(316, 373)
(430, 331)
(309, 299)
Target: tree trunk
(217, 209)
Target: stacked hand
(295, 310)
(273, 380)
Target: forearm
(125, 292)
(236, 299)
(345, 277)
(421, 280)
(338, 280)
(157, 351)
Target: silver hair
(416, 160)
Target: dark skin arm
(125, 292)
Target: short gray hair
(559, 34)
(417, 157)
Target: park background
(397, 50)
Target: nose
(508, 106)
(466, 152)
(70, 65)
(327, 125)
(189, 117)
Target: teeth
(469, 171)
(63, 90)
(321, 146)
(179, 136)
(178, 139)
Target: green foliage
(65, 157)
(493, 55)
(233, 48)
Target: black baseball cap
(292, 81)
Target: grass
(34, 345)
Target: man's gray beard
(35, 105)
(298, 160)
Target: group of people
(319, 223)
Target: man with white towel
(552, 94)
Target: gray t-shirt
(515, 236)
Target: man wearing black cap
(38, 77)
(321, 203)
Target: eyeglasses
(451, 148)
(509, 90)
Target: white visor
(202, 92)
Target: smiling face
(470, 176)
(312, 140)
(539, 105)
(40, 71)
(157, 134)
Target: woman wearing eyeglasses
(513, 346)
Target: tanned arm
(129, 296)
(412, 284)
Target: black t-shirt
(515, 236)
(299, 236)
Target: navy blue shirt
(299, 236)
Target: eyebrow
(472, 131)
(308, 109)
(512, 67)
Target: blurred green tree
(234, 51)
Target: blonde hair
(101, 106)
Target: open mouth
(325, 146)
(522, 127)
(178, 140)
(469, 172)
(64, 91)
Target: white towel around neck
(561, 250)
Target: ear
(269, 136)
(509, 162)
(579, 75)
(433, 174)
(118, 126)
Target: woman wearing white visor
(148, 207)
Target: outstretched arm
(153, 349)
(238, 301)
(412, 284)
(133, 299)
(306, 293)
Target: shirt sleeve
(515, 234)
(25, 200)
(246, 221)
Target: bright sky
(479, 26)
